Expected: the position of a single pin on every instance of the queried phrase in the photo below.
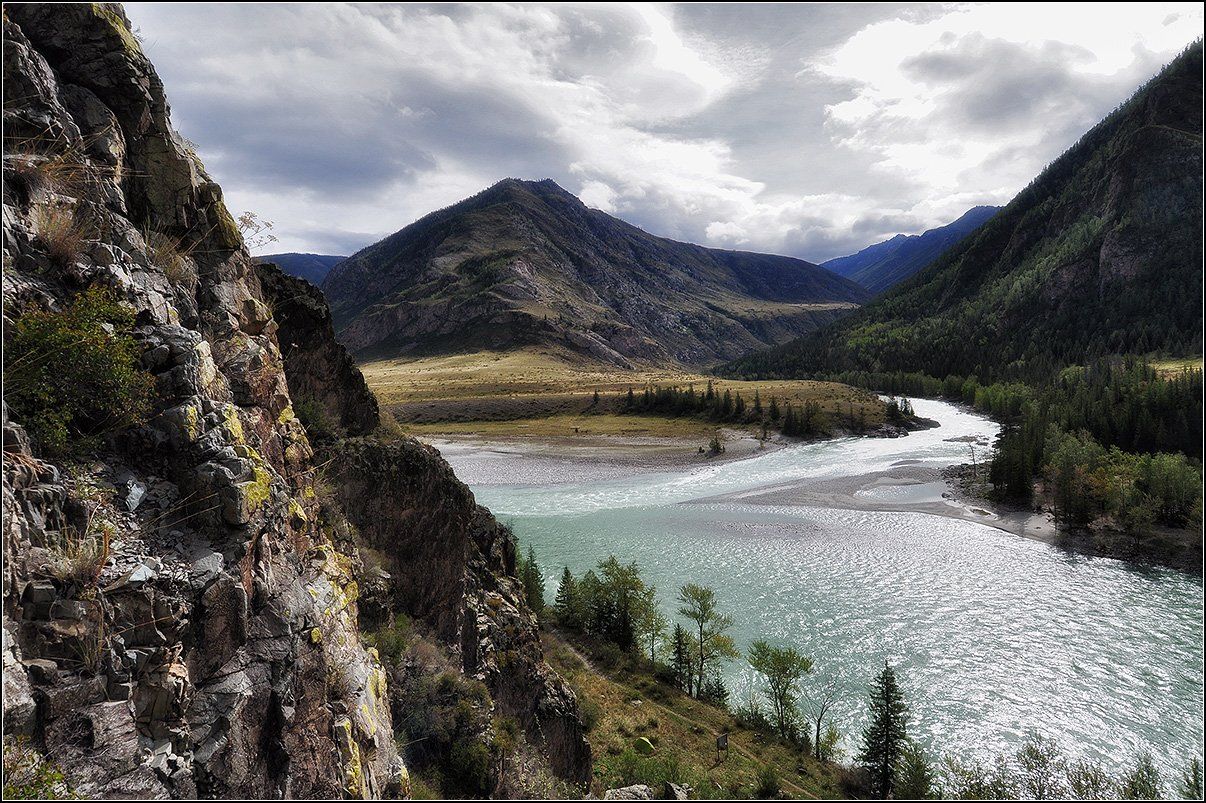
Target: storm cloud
(810, 130)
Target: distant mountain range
(1100, 255)
(526, 263)
(880, 266)
(311, 267)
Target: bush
(73, 376)
(314, 419)
(29, 776)
(768, 783)
(392, 640)
(170, 255)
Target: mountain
(311, 267)
(526, 263)
(878, 267)
(1101, 254)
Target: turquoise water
(993, 634)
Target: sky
(811, 130)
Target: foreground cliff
(187, 590)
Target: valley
(597, 486)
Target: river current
(992, 634)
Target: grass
(547, 394)
(1172, 367)
(61, 231)
(628, 705)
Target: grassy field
(626, 705)
(543, 394)
(1176, 366)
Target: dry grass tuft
(62, 230)
(173, 256)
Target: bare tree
(819, 699)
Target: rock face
(453, 565)
(319, 370)
(181, 607)
(528, 264)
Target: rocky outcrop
(211, 647)
(319, 370)
(182, 606)
(451, 564)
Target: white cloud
(343, 123)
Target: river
(849, 550)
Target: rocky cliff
(182, 609)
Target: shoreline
(905, 487)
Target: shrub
(170, 255)
(767, 786)
(314, 419)
(29, 776)
(392, 641)
(74, 375)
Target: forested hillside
(1100, 255)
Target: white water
(993, 634)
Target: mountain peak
(527, 263)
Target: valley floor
(528, 394)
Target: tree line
(1116, 437)
(806, 420)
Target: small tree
(533, 582)
(784, 669)
(682, 650)
(650, 622)
(1042, 769)
(818, 702)
(885, 737)
(915, 779)
(698, 603)
(1191, 781)
(1142, 781)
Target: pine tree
(681, 659)
(533, 582)
(566, 602)
(884, 739)
(757, 403)
(774, 409)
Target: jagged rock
(673, 791)
(635, 792)
(181, 668)
(319, 370)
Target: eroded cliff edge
(217, 649)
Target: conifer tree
(566, 602)
(884, 738)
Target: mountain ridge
(311, 267)
(527, 263)
(1092, 258)
(889, 262)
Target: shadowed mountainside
(527, 263)
(880, 266)
(1101, 254)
